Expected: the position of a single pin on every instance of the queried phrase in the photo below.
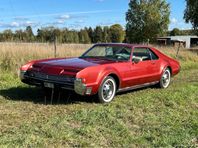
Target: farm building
(186, 41)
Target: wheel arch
(169, 67)
(116, 78)
(161, 82)
(164, 66)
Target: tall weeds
(13, 55)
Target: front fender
(107, 71)
(93, 76)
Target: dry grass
(13, 55)
(184, 54)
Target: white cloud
(18, 24)
(174, 21)
(61, 21)
(29, 23)
(64, 17)
(14, 24)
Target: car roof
(122, 44)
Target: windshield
(108, 52)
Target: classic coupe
(103, 70)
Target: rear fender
(163, 68)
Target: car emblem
(47, 76)
(62, 71)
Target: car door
(154, 67)
(141, 72)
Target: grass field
(148, 117)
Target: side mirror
(136, 60)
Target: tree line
(114, 33)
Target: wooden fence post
(55, 54)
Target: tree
(40, 35)
(191, 13)
(29, 33)
(90, 33)
(116, 33)
(97, 34)
(65, 35)
(75, 37)
(8, 35)
(175, 32)
(70, 36)
(146, 20)
(20, 36)
(106, 34)
(1, 37)
(84, 37)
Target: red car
(104, 69)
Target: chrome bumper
(78, 86)
(33, 79)
(21, 75)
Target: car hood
(68, 66)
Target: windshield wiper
(106, 58)
(98, 57)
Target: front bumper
(76, 85)
(22, 73)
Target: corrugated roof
(181, 36)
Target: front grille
(55, 78)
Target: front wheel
(165, 79)
(107, 90)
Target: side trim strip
(137, 86)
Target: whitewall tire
(165, 78)
(107, 90)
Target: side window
(153, 55)
(142, 53)
(122, 53)
(109, 51)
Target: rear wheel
(107, 90)
(165, 79)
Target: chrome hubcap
(108, 90)
(166, 78)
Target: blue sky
(74, 14)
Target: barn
(187, 41)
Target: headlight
(78, 80)
(26, 67)
(79, 86)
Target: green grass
(148, 117)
